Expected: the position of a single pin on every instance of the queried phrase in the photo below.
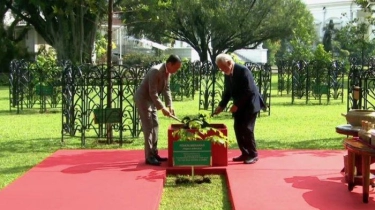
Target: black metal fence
(94, 102)
(311, 80)
(361, 84)
(263, 78)
(30, 87)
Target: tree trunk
(68, 45)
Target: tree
(327, 37)
(355, 38)
(362, 3)
(10, 38)
(298, 45)
(69, 26)
(272, 47)
(213, 26)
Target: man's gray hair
(223, 58)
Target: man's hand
(233, 109)
(171, 110)
(218, 110)
(166, 112)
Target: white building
(33, 41)
(339, 11)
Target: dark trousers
(244, 124)
(150, 128)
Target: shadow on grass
(29, 111)
(30, 146)
(314, 144)
(94, 142)
(226, 197)
(304, 104)
(53, 144)
(15, 170)
(4, 98)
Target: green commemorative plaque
(108, 115)
(192, 153)
(44, 90)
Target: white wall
(326, 10)
(252, 55)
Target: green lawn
(191, 196)
(29, 137)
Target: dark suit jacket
(240, 86)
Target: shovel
(175, 118)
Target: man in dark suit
(247, 102)
(147, 101)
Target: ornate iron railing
(31, 86)
(94, 102)
(361, 79)
(311, 80)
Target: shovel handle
(175, 118)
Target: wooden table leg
(365, 177)
(351, 161)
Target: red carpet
(119, 179)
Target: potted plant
(196, 142)
(195, 136)
(197, 128)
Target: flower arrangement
(198, 128)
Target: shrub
(143, 60)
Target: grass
(213, 196)
(29, 137)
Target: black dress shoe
(240, 158)
(160, 159)
(251, 160)
(152, 161)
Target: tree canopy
(68, 25)
(355, 38)
(10, 38)
(299, 44)
(213, 26)
(327, 37)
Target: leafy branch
(198, 128)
